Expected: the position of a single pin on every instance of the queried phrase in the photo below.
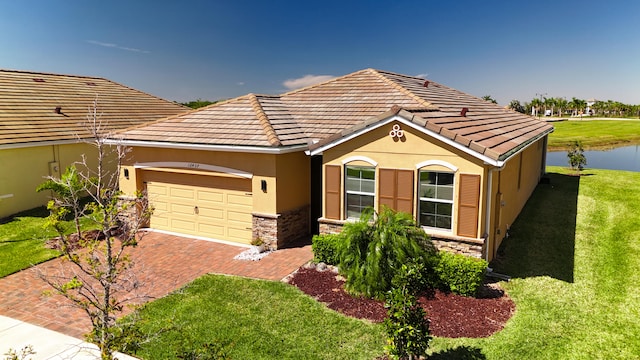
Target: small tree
(576, 157)
(407, 326)
(100, 280)
(374, 248)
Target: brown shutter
(386, 188)
(468, 201)
(396, 189)
(333, 179)
(404, 193)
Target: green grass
(594, 133)
(574, 254)
(22, 241)
(259, 319)
(574, 258)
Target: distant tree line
(195, 104)
(557, 106)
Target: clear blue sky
(184, 50)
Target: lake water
(622, 158)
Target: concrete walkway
(47, 344)
(162, 264)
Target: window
(436, 199)
(360, 187)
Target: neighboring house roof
(316, 115)
(29, 102)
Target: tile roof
(28, 102)
(326, 111)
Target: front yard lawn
(22, 241)
(256, 319)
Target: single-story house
(307, 161)
(42, 127)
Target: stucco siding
(413, 151)
(26, 168)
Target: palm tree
(516, 106)
(535, 106)
(561, 103)
(489, 99)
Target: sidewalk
(47, 344)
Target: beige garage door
(220, 210)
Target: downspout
(488, 212)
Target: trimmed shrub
(460, 274)
(325, 248)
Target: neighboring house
(281, 167)
(42, 124)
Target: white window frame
(422, 199)
(348, 192)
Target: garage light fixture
(263, 185)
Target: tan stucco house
(42, 124)
(281, 167)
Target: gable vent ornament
(396, 132)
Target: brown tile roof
(28, 102)
(327, 111)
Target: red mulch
(450, 315)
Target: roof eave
(210, 147)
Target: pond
(622, 158)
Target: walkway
(162, 263)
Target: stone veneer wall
(460, 246)
(468, 248)
(281, 229)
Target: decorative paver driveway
(163, 263)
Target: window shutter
(333, 179)
(396, 189)
(468, 201)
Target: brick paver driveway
(163, 263)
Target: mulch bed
(451, 315)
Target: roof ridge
(272, 136)
(53, 74)
(323, 82)
(402, 89)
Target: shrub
(372, 250)
(407, 326)
(325, 248)
(460, 274)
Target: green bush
(373, 249)
(407, 325)
(325, 248)
(460, 274)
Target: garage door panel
(183, 225)
(240, 200)
(182, 209)
(211, 214)
(238, 217)
(181, 193)
(222, 213)
(214, 230)
(212, 197)
(240, 235)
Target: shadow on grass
(541, 241)
(459, 353)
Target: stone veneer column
(281, 229)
